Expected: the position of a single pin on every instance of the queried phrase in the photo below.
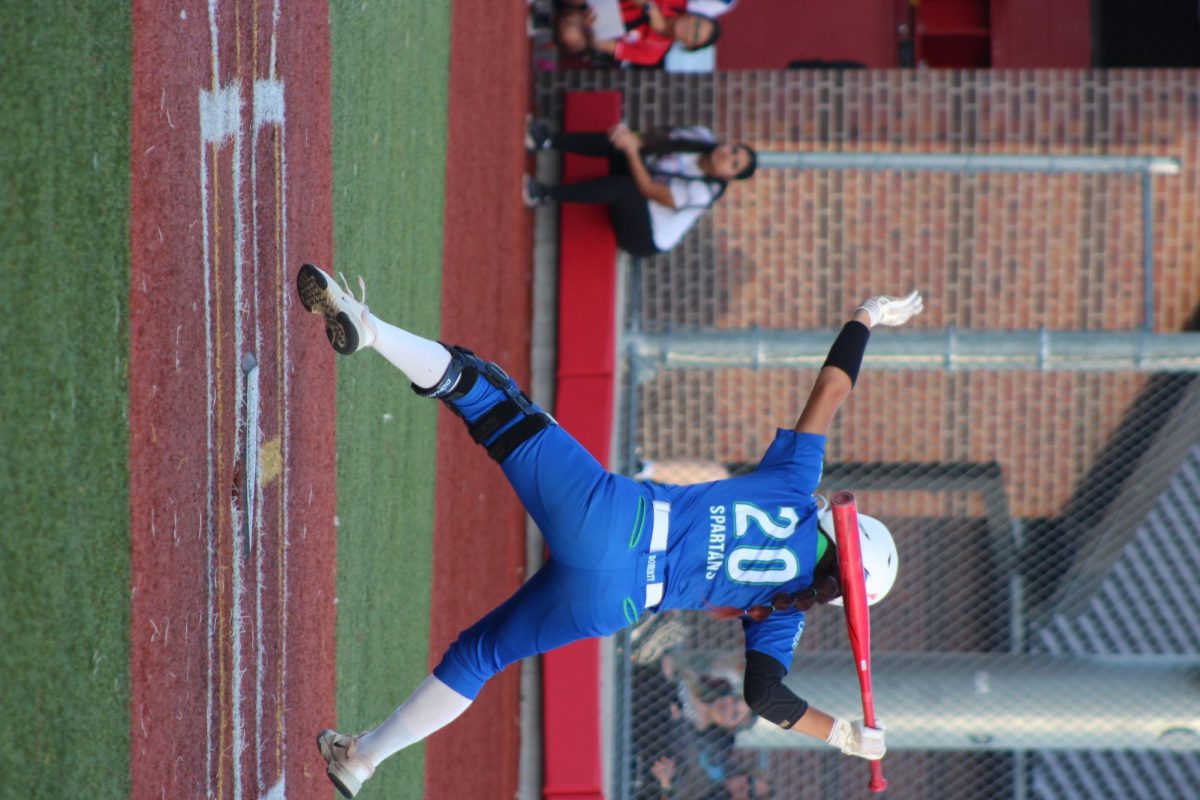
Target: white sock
(432, 706)
(422, 360)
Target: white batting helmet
(879, 556)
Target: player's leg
(630, 219)
(540, 135)
(350, 760)
(584, 143)
(628, 209)
(555, 607)
(604, 190)
(585, 512)
(497, 413)
(350, 326)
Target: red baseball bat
(858, 620)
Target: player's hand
(856, 739)
(624, 139)
(892, 311)
(664, 771)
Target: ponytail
(825, 588)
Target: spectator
(683, 730)
(657, 729)
(651, 28)
(711, 8)
(742, 784)
(658, 186)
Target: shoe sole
(315, 296)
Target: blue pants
(596, 525)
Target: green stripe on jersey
(639, 523)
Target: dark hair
(713, 35)
(825, 587)
(659, 143)
(751, 166)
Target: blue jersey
(738, 542)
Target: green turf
(64, 479)
(390, 77)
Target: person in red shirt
(651, 28)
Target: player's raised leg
(497, 413)
(350, 326)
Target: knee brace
(489, 429)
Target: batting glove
(856, 739)
(893, 311)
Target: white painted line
(214, 51)
(274, 36)
(210, 565)
(258, 555)
(235, 557)
(253, 439)
(285, 483)
(278, 792)
(267, 111)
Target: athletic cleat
(534, 194)
(537, 134)
(343, 766)
(347, 322)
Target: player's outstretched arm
(840, 370)
(768, 697)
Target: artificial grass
(64, 257)
(390, 79)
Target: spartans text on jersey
(716, 541)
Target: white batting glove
(856, 739)
(892, 311)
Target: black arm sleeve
(765, 693)
(848, 349)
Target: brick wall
(799, 249)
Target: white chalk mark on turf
(220, 118)
(240, 445)
(268, 110)
(285, 483)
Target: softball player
(752, 546)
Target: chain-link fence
(1033, 442)
(1044, 637)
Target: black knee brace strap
(515, 436)
(848, 349)
(459, 377)
(465, 368)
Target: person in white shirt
(711, 8)
(658, 186)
